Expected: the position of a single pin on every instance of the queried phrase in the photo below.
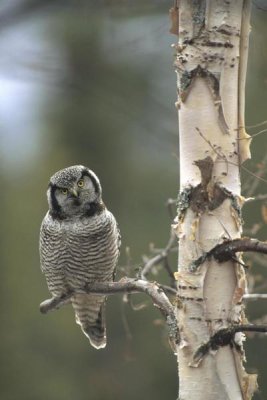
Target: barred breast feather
(79, 251)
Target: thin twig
(159, 257)
(252, 136)
(258, 177)
(256, 125)
(168, 289)
(255, 183)
(259, 197)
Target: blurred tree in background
(91, 82)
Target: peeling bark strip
(174, 16)
(210, 61)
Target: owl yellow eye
(80, 183)
(64, 191)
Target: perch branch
(125, 285)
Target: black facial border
(96, 185)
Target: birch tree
(211, 61)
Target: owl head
(74, 191)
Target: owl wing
(118, 234)
(51, 246)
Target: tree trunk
(211, 58)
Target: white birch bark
(211, 58)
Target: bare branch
(168, 289)
(160, 257)
(226, 250)
(250, 328)
(259, 197)
(125, 285)
(256, 125)
(255, 182)
(224, 337)
(255, 296)
(170, 203)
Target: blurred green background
(91, 82)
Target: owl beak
(74, 192)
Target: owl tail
(90, 315)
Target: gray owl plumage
(79, 243)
